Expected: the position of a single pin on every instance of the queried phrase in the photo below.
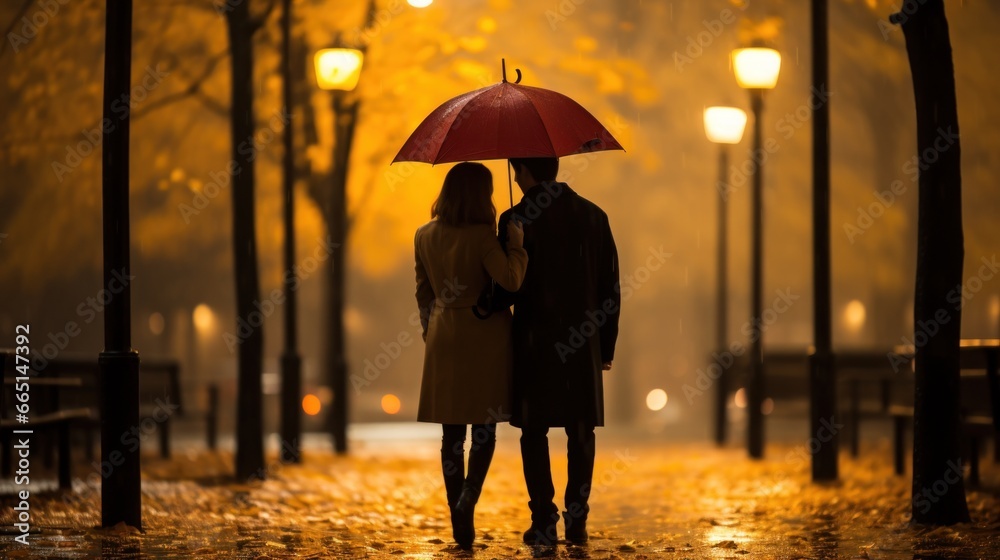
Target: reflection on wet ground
(648, 501)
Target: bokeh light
(767, 407)
(656, 399)
(391, 404)
(854, 315)
(740, 398)
(156, 323)
(311, 405)
(204, 318)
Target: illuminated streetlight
(756, 70)
(419, 3)
(756, 67)
(339, 69)
(723, 126)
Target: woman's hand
(515, 233)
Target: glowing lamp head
(724, 125)
(756, 67)
(419, 3)
(338, 69)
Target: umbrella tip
(503, 71)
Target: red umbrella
(503, 121)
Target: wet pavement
(651, 499)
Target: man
(564, 332)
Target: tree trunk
(938, 489)
(249, 324)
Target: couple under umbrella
(554, 261)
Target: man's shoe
(576, 529)
(541, 535)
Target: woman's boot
(480, 456)
(453, 469)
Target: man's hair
(466, 197)
(541, 168)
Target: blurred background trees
(617, 59)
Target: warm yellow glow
(338, 68)
(325, 395)
(204, 318)
(156, 323)
(756, 68)
(420, 3)
(724, 125)
(486, 24)
(656, 399)
(311, 405)
(767, 407)
(854, 315)
(740, 398)
(995, 308)
(391, 404)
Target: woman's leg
(484, 441)
(453, 460)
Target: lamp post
(291, 363)
(338, 70)
(756, 70)
(723, 126)
(121, 498)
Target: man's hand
(515, 233)
(607, 366)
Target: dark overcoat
(566, 311)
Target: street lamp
(756, 70)
(723, 126)
(338, 70)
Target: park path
(651, 500)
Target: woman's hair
(466, 197)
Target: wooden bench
(159, 379)
(980, 408)
(61, 421)
(45, 414)
(862, 375)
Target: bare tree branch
(206, 5)
(261, 20)
(13, 22)
(194, 89)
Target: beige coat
(467, 360)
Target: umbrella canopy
(503, 121)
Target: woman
(467, 361)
